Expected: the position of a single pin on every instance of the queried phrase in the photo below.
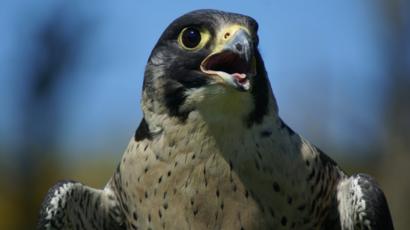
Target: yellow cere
(225, 34)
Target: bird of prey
(211, 151)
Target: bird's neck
(265, 143)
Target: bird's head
(208, 61)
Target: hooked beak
(233, 62)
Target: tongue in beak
(230, 68)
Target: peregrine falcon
(211, 151)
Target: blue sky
(326, 62)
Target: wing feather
(71, 205)
(362, 204)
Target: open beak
(233, 62)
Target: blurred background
(71, 75)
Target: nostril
(226, 35)
(238, 46)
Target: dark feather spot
(290, 200)
(272, 213)
(259, 154)
(266, 133)
(234, 188)
(284, 221)
(257, 165)
(230, 165)
(276, 187)
(311, 175)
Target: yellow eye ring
(192, 39)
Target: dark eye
(191, 37)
